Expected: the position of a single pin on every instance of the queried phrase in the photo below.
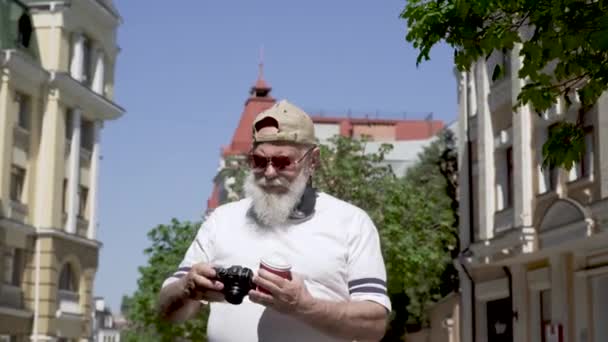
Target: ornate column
(77, 63)
(94, 181)
(98, 76)
(74, 173)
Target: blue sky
(184, 73)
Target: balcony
(11, 296)
(75, 94)
(17, 211)
(69, 303)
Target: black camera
(237, 282)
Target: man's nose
(270, 171)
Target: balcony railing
(69, 302)
(17, 211)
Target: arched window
(25, 30)
(67, 279)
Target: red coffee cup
(277, 265)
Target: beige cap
(292, 125)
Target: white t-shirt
(336, 251)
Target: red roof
(243, 137)
(404, 129)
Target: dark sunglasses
(280, 163)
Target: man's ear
(316, 158)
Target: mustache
(278, 181)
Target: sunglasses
(280, 163)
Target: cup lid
(276, 261)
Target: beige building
(57, 63)
(534, 261)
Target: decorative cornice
(66, 236)
(76, 94)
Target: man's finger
(266, 284)
(275, 279)
(260, 298)
(205, 270)
(203, 283)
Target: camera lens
(234, 295)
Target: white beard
(274, 209)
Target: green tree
(169, 243)
(563, 46)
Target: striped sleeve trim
(367, 285)
(182, 271)
(366, 281)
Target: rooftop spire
(261, 64)
(261, 88)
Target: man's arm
(354, 320)
(180, 300)
(174, 305)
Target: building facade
(534, 241)
(106, 327)
(408, 137)
(56, 87)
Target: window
(584, 167)
(87, 134)
(550, 174)
(509, 199)
(25, 30)
(587, 161)
(83, 196)
(499, 320)
(87, 60)
(23, 113)
(545, 312)
(17, 183)
(504, 62)
(504, 178)
(69, 117)
(64, 196)
(67, 279)
(13, 266)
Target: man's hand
(286, 296)
(199, 284)
(352, 320)
(181, 300)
